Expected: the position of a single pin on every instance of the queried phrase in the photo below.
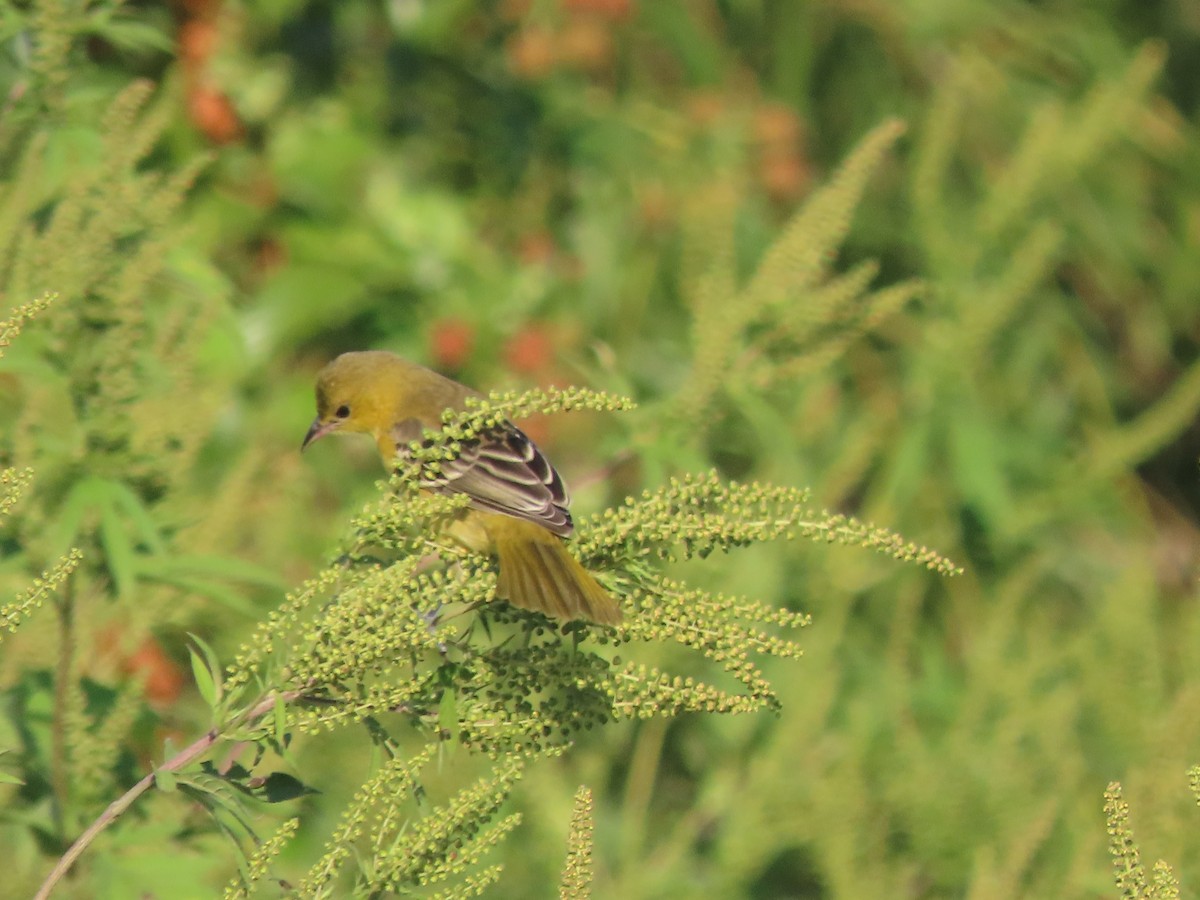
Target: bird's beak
(318, 429)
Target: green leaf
(207, 575)
(205, 683)
(691, 46)
(126, 500)
(280, 787)
(131, 35)
(214, 794)
(226, 567)
(82, 496)
(978, 470)
(165, 781)
(909, 458)
(273, 788)
(161, 569)
(233, 776)
(5, 777)
(280, 716)
(119, 554)
(210, 659)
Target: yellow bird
(519, 505)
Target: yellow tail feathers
(537, 572)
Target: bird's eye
(342, 412)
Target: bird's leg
(431, 619)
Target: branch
(117, 807)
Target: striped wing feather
(502, 471)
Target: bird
(518, 504)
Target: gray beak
(317, 430)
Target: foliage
(791, 317)
(1127, 865)
(95, 387)
(408, 852)
(369, 638)
(978, 329)
(403, 626)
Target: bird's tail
(537, 572)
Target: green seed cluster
(483, 415)
(1126, 859)
(793, 312)
(373, 649)
(17, 609)
(260, 861)
(638, 691)
(412, 844)
(838, 529)
(697, 514)
(12, 484)
(393, 782)
(576, 883)
(472, 884)
(533, 698)
(404, 517)
(11, 326)
(447, 841)
(278, 629)
(725, 629)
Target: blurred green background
(524, 192)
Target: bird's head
(357, 392)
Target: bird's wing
(502, 471)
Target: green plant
(397, 635)
(999, 358)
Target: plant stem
(639, 787)
(60, 775)
(114, 810)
